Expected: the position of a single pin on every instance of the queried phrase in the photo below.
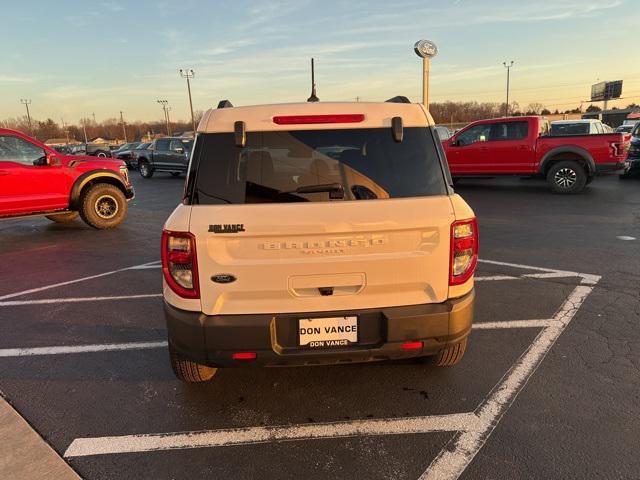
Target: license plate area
(328, 332)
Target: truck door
(161, 154)
(27, 183)
(510, 148)
(178, 155)
(467, 152)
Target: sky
(73, 58)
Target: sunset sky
(72, 58)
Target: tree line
(110, 129)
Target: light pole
(426, 50)
(26, 102)
(188, 74)
(124, 129)
(508, 67)
(165, 109)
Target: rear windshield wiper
(335, 190)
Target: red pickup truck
(522, 146)
(37, 180)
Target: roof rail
(398, 99)
(225, 104)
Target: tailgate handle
(327, 285)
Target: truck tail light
(464, 251)
(179, 263)
(619, 148)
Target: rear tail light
(619, 148)
(464, 251)
(179, 263)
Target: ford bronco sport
(317, 233)
(37, 180)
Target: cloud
(113, 7)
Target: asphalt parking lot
(549, 387)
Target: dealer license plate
(328, 332)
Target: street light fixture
(189, 74)
(508, 67)
(426, 50)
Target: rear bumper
(618, 167)
(211, 340)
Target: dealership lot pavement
(548, 388)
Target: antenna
(313, 97)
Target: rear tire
(566, 176)
(101, 154)
(63, 217)
(145, 169)
(103, 206)
(188, 371)
(448, 356)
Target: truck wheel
(103, 206)
(63, 217)
(101, 154)
(188, 371)
(451, 355)
(145, 169)
(567, 176)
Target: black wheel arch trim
(89, 177)
(579, 151)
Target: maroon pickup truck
(522, 146)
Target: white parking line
(46, 301)
(64, 349)
(454, 457)
(513, 324)
(495, 278)
(81, 447)
(77, 280)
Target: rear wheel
(145, 169)
(447, 357)
(566, 176)
(101, 154)
(188, 371)
(63, 217)
(103, 206)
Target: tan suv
(317, 233)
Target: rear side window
(570, 129)
(162, 145)
(286, 166)
(508, 131)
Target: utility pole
(165, 108)
(84, 130)
(188, 74)
(426, 50)
(508, 67)
(94, 117)
(26, 102)
(64, 128)
(124, 129)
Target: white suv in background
(317, 233)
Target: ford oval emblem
(223, 278)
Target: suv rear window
(350, 164)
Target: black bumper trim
(211, 340)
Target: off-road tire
(567, 177)
(188, 371)
(103, 206)
(63, 217)
(145, 169)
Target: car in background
(123, 152)
(588, 126)
(168, 154)
(36, 180)
(443, 132)
(624, 129)
(521, 146)
(633, 158)
(90, 149)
